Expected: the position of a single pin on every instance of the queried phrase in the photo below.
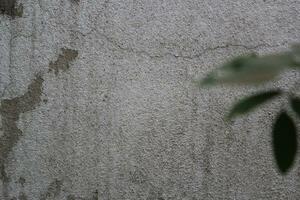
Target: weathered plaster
(10, 111)
(115, 115)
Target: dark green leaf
(295, 104)
(284, 141)
(236, 64)
(247, 104)
(296, 55)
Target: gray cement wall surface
(97, 101)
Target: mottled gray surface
(97, 101)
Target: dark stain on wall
(22, 181)
(52, 191)
(63, 61)
(10, 7)
(22, 194)
(95, 195)
(10, 111)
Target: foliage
(254, 69)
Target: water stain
(10, 7)
(10, 111)
(63, 61)
(52, 191)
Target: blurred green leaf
(251, 69)
(296, 48)
(284, 141)
(296, 54)
(295, 104)
(249, 103)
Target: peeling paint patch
(10, 111)
(52, 191)
(10, 7)
(63, 61)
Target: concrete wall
(97, 101)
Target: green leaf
(238, 63)
(250, 69)
(295, 104)
(284, 141)
(225, 72)
(296, 55)
(249, 103)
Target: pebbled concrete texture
(97, 101)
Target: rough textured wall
(97, 101)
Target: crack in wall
(179, 55)
(63, 61)
(10, 111)
(103, 33)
